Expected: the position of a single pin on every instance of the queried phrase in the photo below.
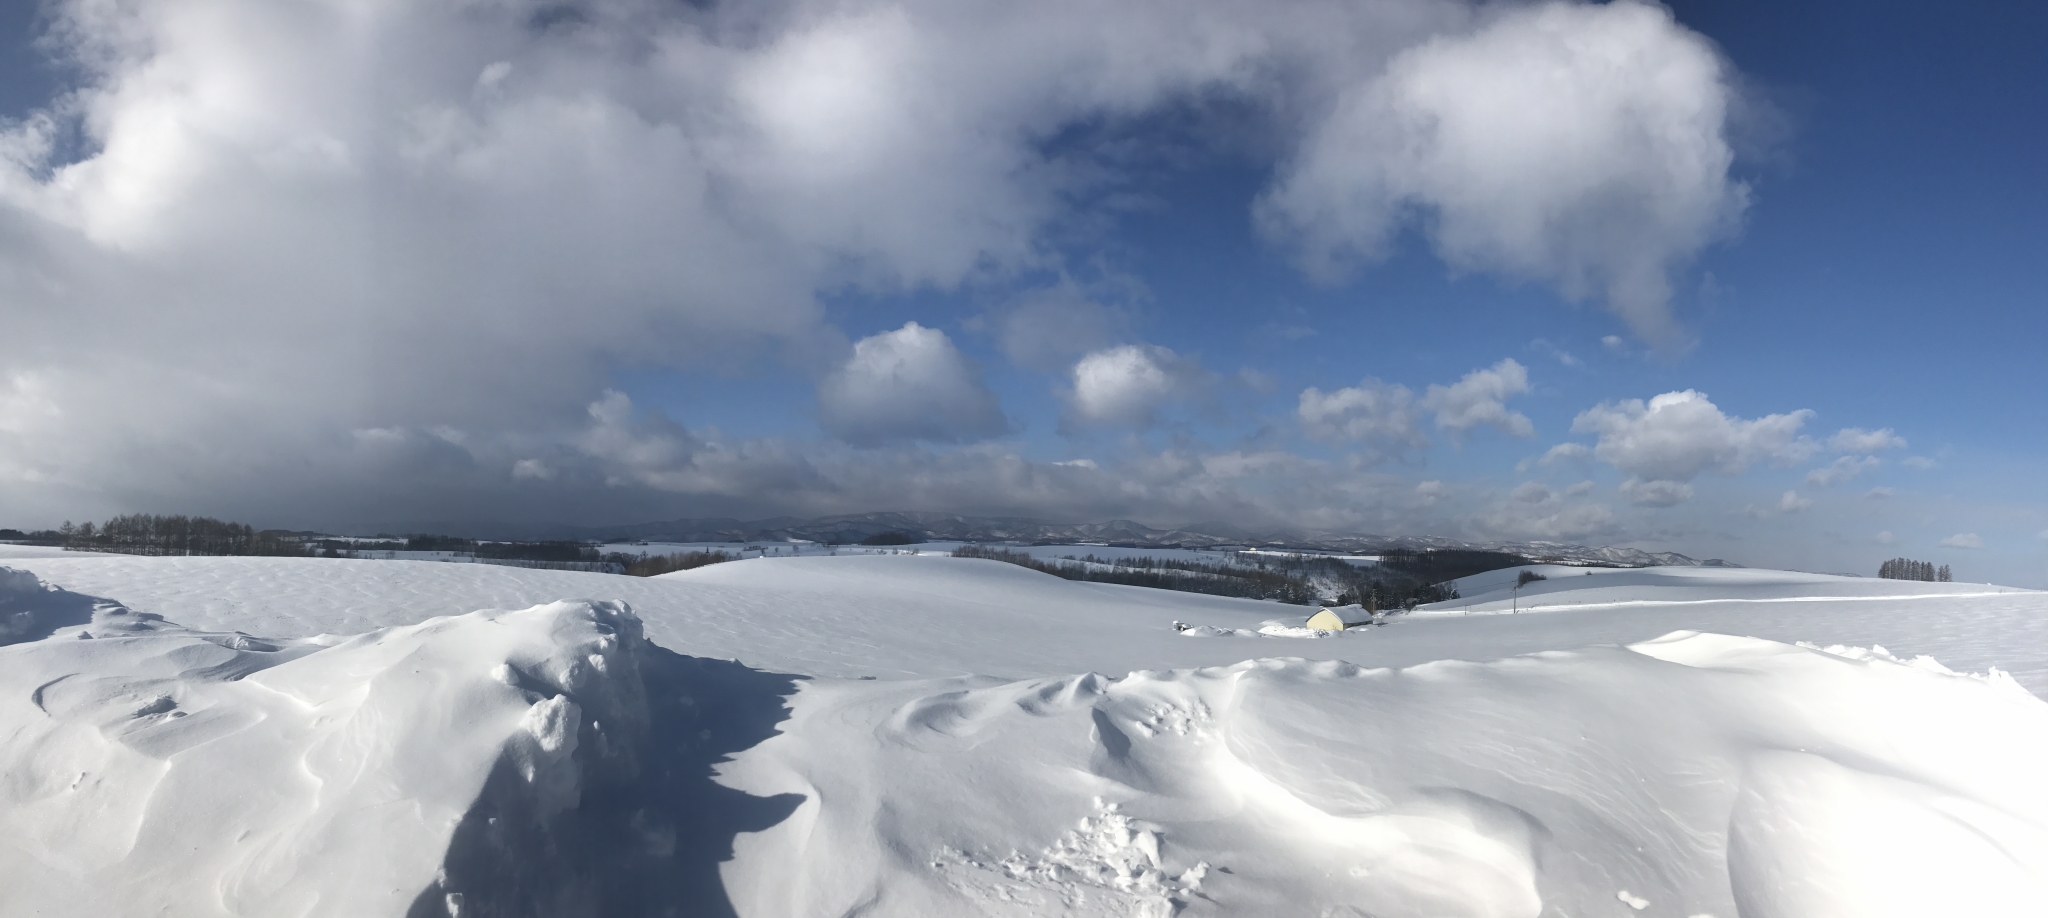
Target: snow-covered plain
(926, 735)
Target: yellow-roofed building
(1331, 618)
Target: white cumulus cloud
(1582, 145)
(1129, 384)
(1669, 440)
(1383, 415)
(1968, 540)
(908, 384)
(1479, 399)
(1793, 503)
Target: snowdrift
(1693, 775)
(490, 763)
(553, 761)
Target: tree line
(1407, 577)
(1160, 574)
(1402, 579)
(552, 552)
(1909, 569)
(656, 565)
(152, 534)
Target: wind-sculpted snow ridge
(494, 763)
(1696, 774)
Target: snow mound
(1205, 631)
(1278, 627)
(1283, 628)
(1694, 774)
(147, 765)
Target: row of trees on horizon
(1402, 579)
(1909, 569)
(177, 534)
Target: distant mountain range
(949, 527)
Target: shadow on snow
(31, 611)
(647, 843)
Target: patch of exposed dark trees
(1276, 581)
(1402, 579)
(892, 538)
(1909, 569)
(152, 534)
(656, 565)
(1406, 578)
(546, 552)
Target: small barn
(1334, 618)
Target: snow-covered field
(924, 735)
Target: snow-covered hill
(920, 735)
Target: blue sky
(1067, 262)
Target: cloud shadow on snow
(647, 843)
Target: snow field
(936, 615)
(909, 616)
(1593, 759)
(1672, 773)
(892, 616)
